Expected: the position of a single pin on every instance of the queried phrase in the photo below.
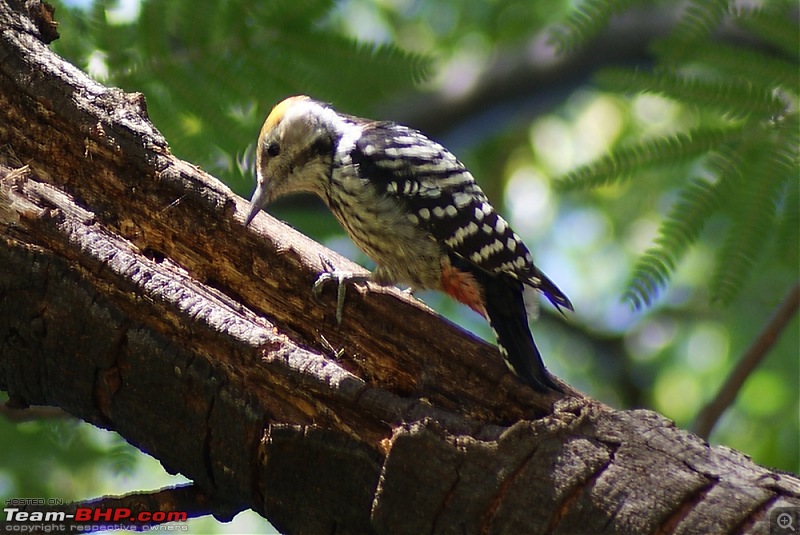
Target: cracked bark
(132, 297)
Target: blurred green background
(675, 254)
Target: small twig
(708, 416)
(173, 204)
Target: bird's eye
(273, 149)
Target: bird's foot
(342, 279)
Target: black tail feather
(505, 309)
(506, 312)
(552, 293)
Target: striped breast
(378, 223)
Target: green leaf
(777, 26)
(211, 75)
(736, 98)
(763, 70)
(682, 227)
(663, 151)
(768, 165)
(586, 21)
(699, 20)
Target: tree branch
(708, 416)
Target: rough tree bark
(132, 297)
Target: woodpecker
(414, 209)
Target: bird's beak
(257, 202)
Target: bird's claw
(342, 278)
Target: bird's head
(294, 151)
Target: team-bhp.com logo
(25, 518)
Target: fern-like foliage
(584, 23)
(732, 97)
(697, 202)
(682, 227)
(753, 211)
(776, 26)
(699, 20)
(730, 61)
(747, 138)
(663, 151)
(211, 73)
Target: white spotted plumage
(438, 191)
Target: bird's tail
(500, 300)
(552, 293)
(505, 310)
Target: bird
(415, 210)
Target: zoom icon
(784, 520)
